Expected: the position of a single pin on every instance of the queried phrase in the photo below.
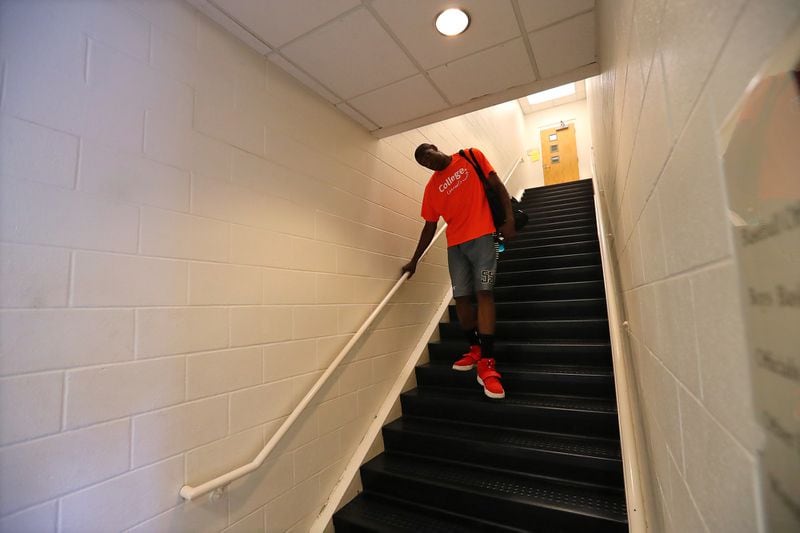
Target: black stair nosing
(558, 188)
(583, 307)
(566, 444)
(540, 246)
(559, 413)
(555, 285)
(575, 344)
(483, 492)
(579, 181)
(564, 202)
(561, 208)
(584, 220)
(559, 232)
(543, 322)
(548, 301)
(554, 272)
(567, 258)
(517, 379)
(517, 243)
(578, 196)
(555, 208)
(535, 226)
(534, 194)
(379, 513)
(579, 201)
(554, 402)
(511, 352)
(552, 199)
(536, 369)
(587, 246)
(539, 218)
(564, 257)
(533, 271)
(562, 184)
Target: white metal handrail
(629, 442)
(189, 492)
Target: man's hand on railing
(411, 267)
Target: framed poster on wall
(761, 160)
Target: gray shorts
(472, 265)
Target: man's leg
(461, 277)
(486, 312)
(466, 313)
(484, 259)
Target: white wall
(672, 71)
(188, 236)
(576, 112)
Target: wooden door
(559, 154)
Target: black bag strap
(474, 162)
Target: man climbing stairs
(547, 457)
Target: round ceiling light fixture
(452, 22)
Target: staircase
(547, 457)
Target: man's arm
(425, 238)
(508, 230)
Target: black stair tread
(550, 206)
(555, 199)
(505, 303)
(520, 351)
(539, 440)
(534, 271)
(590, 260)
(553, 329)
(555, 232)
(536, 227)
(383, 514)
(535, 247)
(576, 191)
(545, 401)
(530, 304)
(498, 343)
(526, 490)
(528, 242)
(564, 185)
(532, 368)
(575, 256)
(553, 285)
(553, 321)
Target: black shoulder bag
(495, 203)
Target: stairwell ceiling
(383, 63)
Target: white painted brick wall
(673, 70)
(187, 238)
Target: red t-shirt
(456, 194)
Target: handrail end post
(186, 493)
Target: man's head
(430, 157)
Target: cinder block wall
(188, 237)
(672, 72)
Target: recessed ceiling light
(552, 94)
(452, 22)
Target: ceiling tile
(355, 115)
(351, 56)
(565, 46)
(492, 70)
(412, 21)
(303, 77)
(540, 13)
(411, 98)
(278, 21)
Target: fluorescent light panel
(551, 94)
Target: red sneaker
(490, 379)
(467, 362)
